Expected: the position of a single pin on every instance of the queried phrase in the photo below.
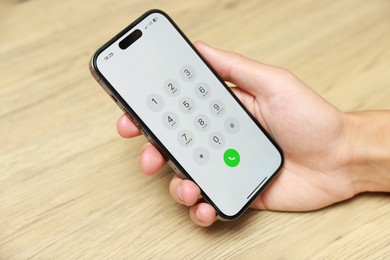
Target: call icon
(231, 157)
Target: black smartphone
(156, 76)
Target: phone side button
(129, 116)
(176, 170)
(142, 131)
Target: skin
(324, 159)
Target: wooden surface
(70, 187)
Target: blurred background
(70, 187)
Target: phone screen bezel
(151, 136)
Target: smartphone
(157, 77)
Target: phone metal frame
(99, 77)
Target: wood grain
(71, 188)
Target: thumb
(254, 77)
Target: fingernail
(179, 193)
(197, 214)
(145, 146)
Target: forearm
(368, 137)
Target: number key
(170, 120)
(185, 138)
(216, 140)
(187, 73)
(172, 87)
(202, 123)
(187, 105)
(155, 102)
(202, 90)
(217, 108)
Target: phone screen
(189, 112)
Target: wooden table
(70, 187)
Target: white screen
(191, 113)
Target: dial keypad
(199, 123)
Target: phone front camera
(130, 39)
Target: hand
(309, 130)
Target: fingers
(151, 159)
(203, 214)
(126, 128)
(184, 191)
(255, 77)
(187, 192)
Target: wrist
(368, 153)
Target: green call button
(231, 157)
